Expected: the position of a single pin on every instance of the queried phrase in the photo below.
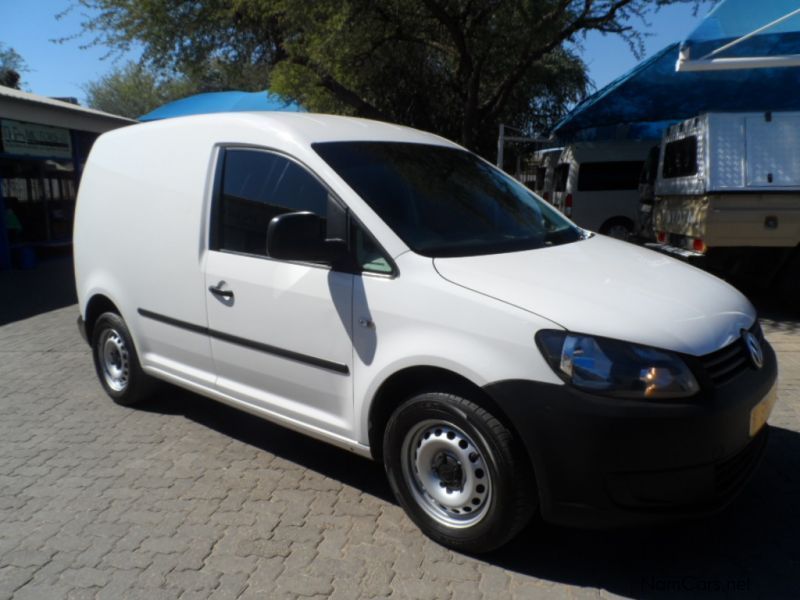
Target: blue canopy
(216, 102)
(641, 103)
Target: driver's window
(257, 186)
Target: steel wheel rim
(114, 360)
(446, 473)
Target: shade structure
(215, 102)
(641, 103)
(744, 34)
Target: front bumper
(605, 462)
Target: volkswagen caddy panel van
(389, 292)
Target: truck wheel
(116, 362)
(458, 472)
(619, 228)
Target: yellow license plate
(762, 410)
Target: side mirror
(301, 236)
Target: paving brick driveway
(191, 499)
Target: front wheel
(458, 472)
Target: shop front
(40, 168)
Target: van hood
(609, 288)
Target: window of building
(257, 186)
(680, 158)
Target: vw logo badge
(754, 348)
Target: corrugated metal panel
(692, 184)
(773, 151)
(726, 155)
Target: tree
(456, 67)
(136, 89)
(11, 67)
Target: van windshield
(446, 202)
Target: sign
(30, 139)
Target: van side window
(561, 175)
(608, 176)
(368, 255)
(680, 158)
(257, 186)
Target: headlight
(615, 368)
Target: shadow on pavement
(307, 452)
(27, 293)
(751, 548)
(781, 312)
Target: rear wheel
(458, 472)
(116, 362)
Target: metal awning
(744, 34)
(641, 103)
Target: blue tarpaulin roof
(653, 94)
(215, 102)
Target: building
(43, 148)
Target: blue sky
(62, 69)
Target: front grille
(724, 365)
(731, 474)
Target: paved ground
(190, 499)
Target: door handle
(218, 291)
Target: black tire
(508, 498)
(619, 228)
(132, 386)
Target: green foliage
(455, 67)
(135, 89)
(11, 67)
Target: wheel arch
(627, 221)
(409, 381)
(96, 306)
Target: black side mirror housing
(301, 236)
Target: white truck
(728, 194)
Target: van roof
(306, 127)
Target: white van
(389, 292)
(596, 185)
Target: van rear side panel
(139, 235)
